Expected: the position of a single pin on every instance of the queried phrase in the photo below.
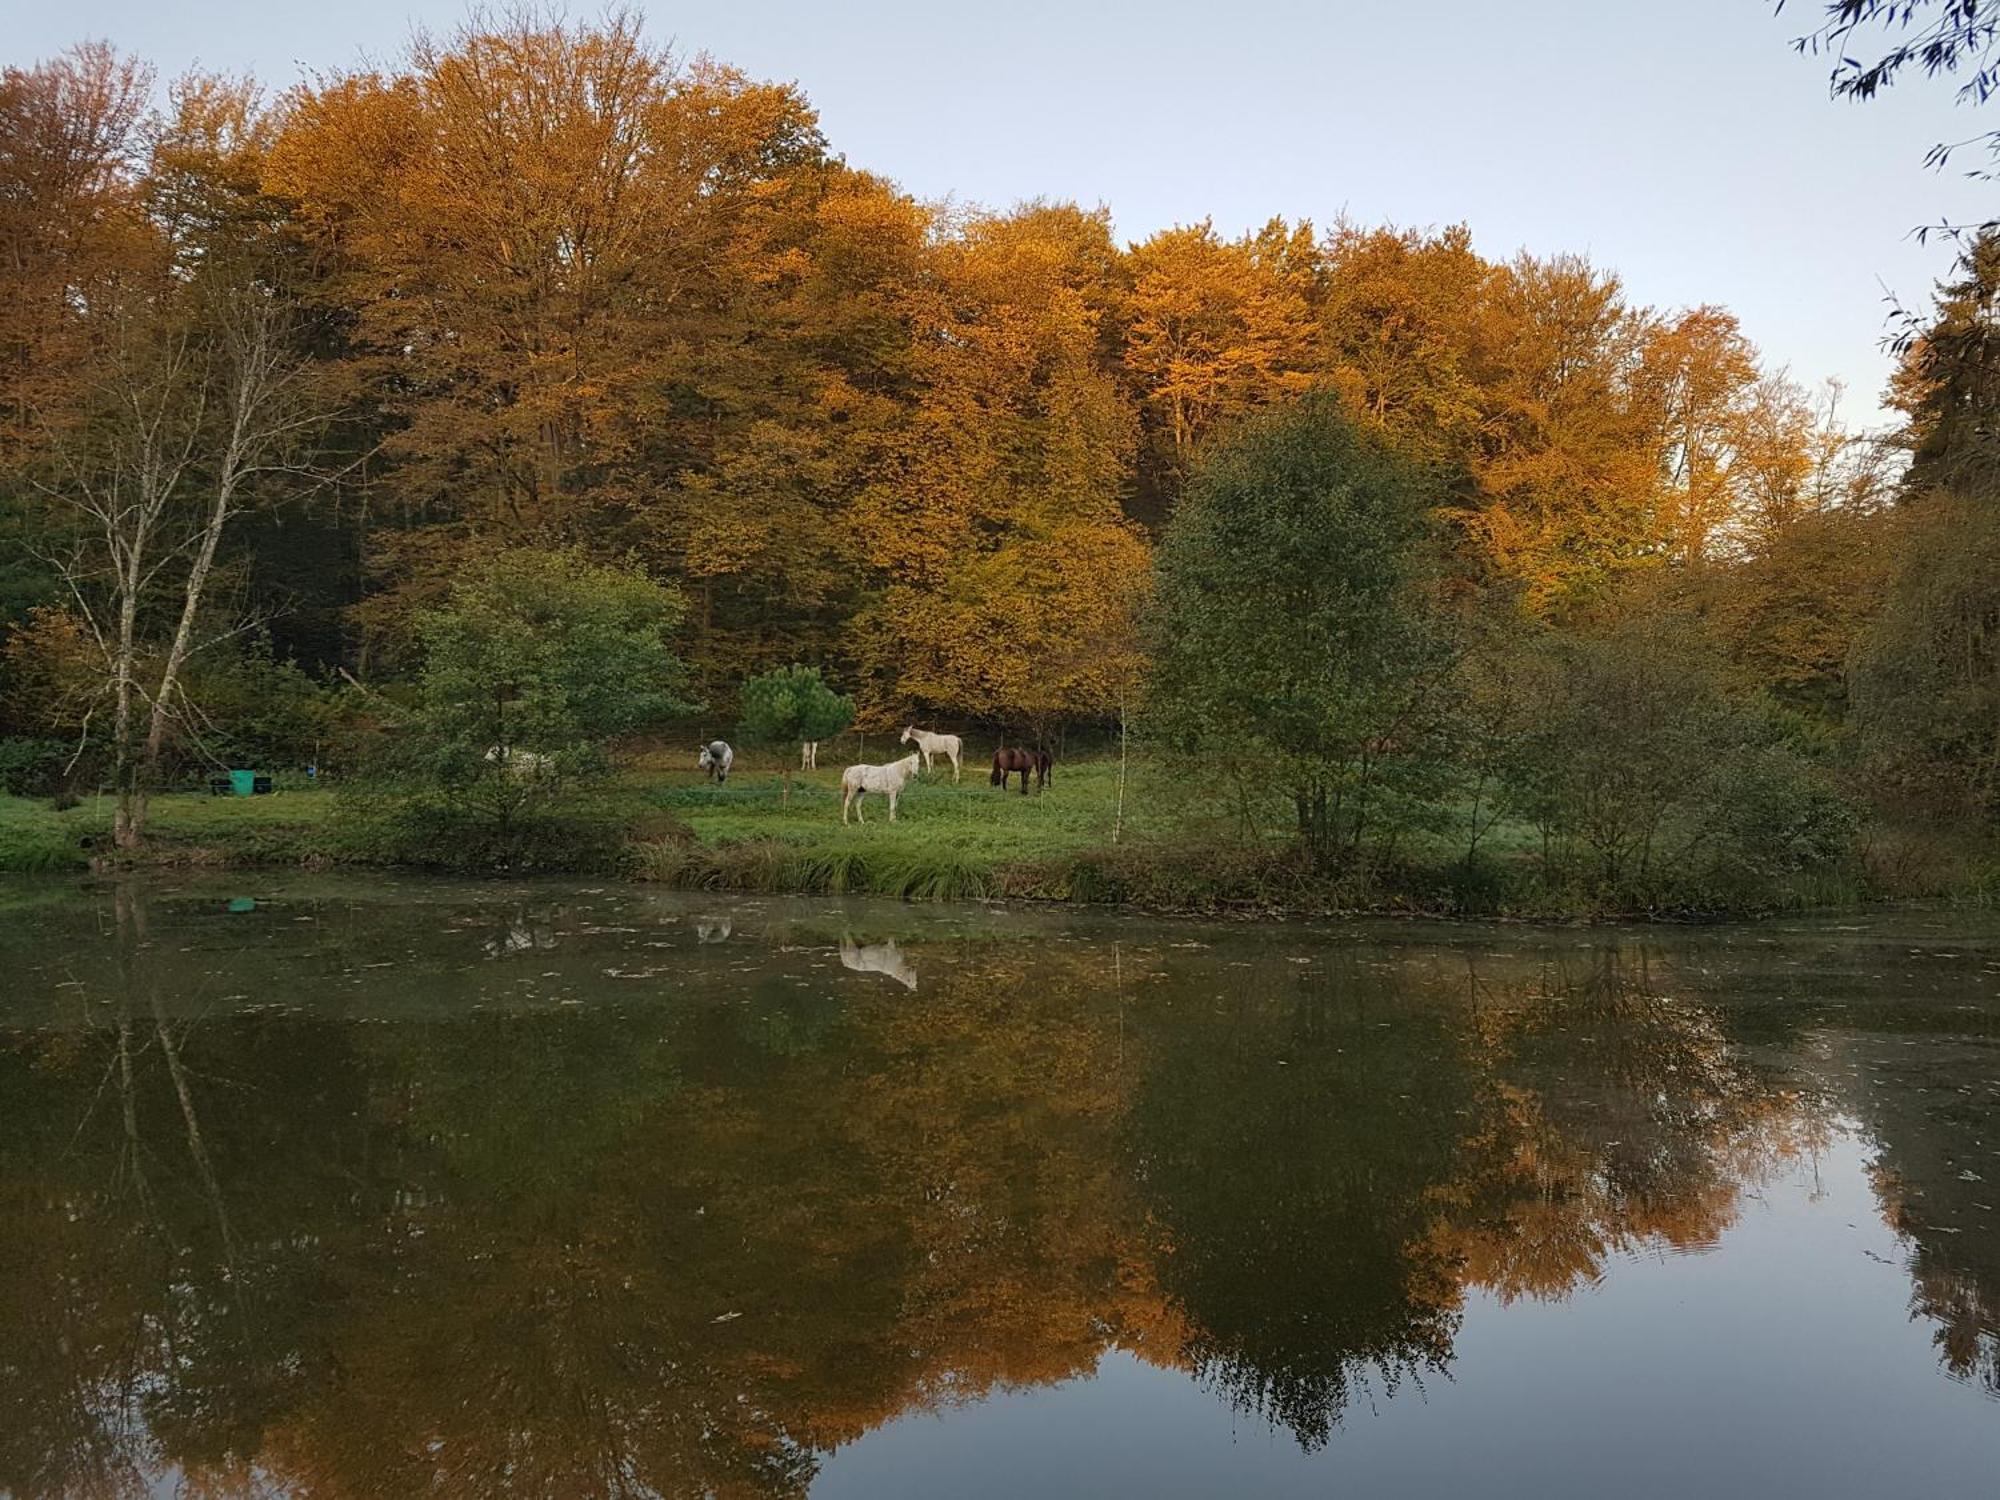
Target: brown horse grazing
(1006, 762)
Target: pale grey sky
(1679, 141)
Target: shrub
(266, 713)
(31, 767)
(1925, 680)
(534, 662)
(1650, 782)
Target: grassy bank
(667, 824)
(187, 829)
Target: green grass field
(973, 818)
(186, 828)
(969, 839)
(969, 825)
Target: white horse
(809, 755)
(878, 958)
(523, 763)
(716, 758)
(934, 744)
(857, 781)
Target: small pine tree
(790, 705)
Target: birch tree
(198, 402)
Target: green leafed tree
(1297, 649)
(1948, 383)
(1925, 676)
(793, 706)
(534, 662)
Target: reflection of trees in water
(1286, 1151)
(143, 1315)
(690, 1248)
(1964, 1312)
(1607, 1116)
(1937, 1179)
(1397, 1138)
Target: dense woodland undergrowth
(551, 394)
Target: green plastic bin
(242, 783)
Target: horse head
(909, 733)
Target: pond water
(386, 1187)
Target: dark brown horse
(1006, 762)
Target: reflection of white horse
(713, 929)
(878, 958)
(934, 744)
(524, 932)
(523, 763)
(888, 781)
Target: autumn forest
(544, 289)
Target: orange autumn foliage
(582, 290)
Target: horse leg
(892, 807)
(954, 768)
(846, 796)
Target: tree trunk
(128, 822)
(148, 769)
(1118, 820)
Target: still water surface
(384, 1188)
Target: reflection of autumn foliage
(1963, 1306)
(694, 1245)
(1967, 1315)
(1652, 1146)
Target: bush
(266, 713)
(1649, 782)
(1771, 813)
(429, 832)
(31, 767)
(1925, 680)
(532, 664)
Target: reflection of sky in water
(385, 1185)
